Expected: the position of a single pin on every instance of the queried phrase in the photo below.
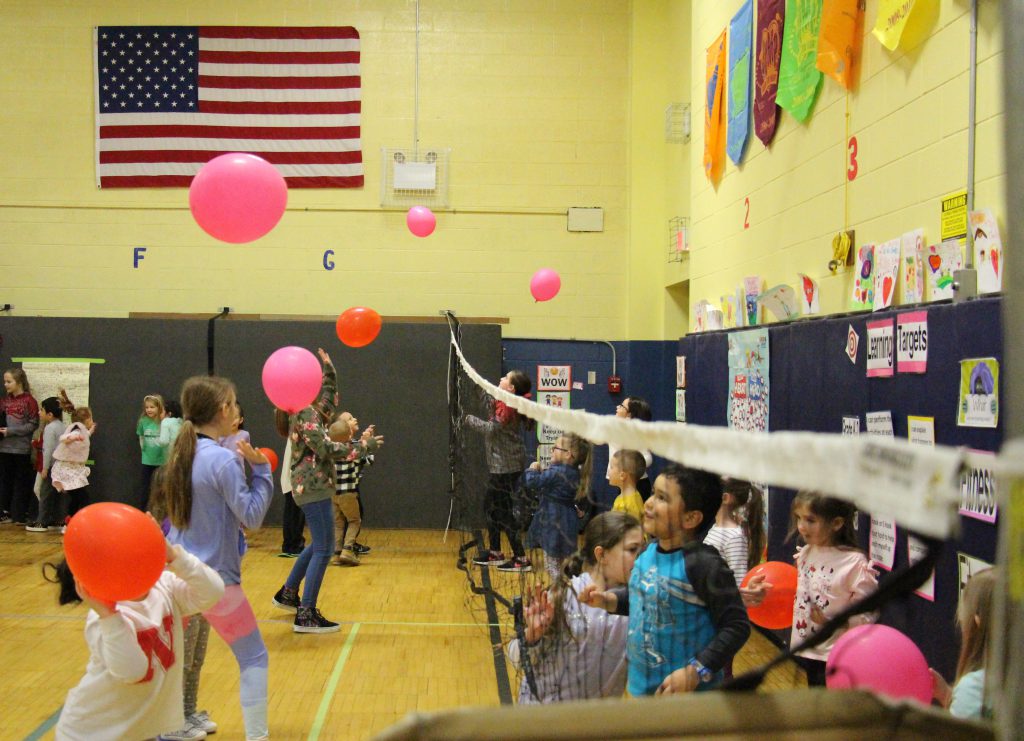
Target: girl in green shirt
(148, 431)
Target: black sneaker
(5, 518)
(309, 620)
(517, 565)
(360, 549)
(286, 599)
(35, 527)
(491, 558)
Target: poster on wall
(748, 380)
(912, 266)
(781, 301)
(880, 348)
(916, 550)
(809, 303)
(921, 430)
(545, 433)
(863, 298)
(739, 82)
(680, 371)
(882, 545)
(912, 342)
(978, 492)
(887, 272)
(879, 423)
(680, 405)
(988, 250)
(47, 376)
(554, 377)
(544, 455)
(851, 425)
(979, 393)
(942, 263)
(752, 287)
(953, 218)
(968, 566)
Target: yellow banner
(892, 18)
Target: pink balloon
(545, 284)
(237, 197)
(879, 658)
(292, 378)
(421, 221)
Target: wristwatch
(703, 673)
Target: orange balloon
(271, 456)
(358, 326)
(115, 551)
(776, 611)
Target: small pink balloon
(545, 284)
(879, 658)
(237, 197)
(292, 378)
(421, 221)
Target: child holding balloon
(832, 573)
(966, 698)
(132, 685)
(208, 499)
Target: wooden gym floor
(412, 640)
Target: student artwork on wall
(808, 295)
(770, 21)
(700, 315)
(988, 250)
(799, 76)
(978, 492)
(739, 82)
(864, 279)
(912, 267)
(887, 272)
(714, 116)
(729, 310)
(748, 380)
(752, 287)
(842, 23)
(979, 393)
(781, 301)
(912, 342)
(943, 260)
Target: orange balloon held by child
(776, 609)
(271, 456)
(116, 551)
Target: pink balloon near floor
(421, 221)
(292, 378)
(237, 197)
(879, 658)
(545, 284)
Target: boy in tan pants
(347, 519)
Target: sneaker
(517, 565)
(491, 558)
(5, 518)
(287, 554)
(191, 732)
(360, 549)
(63, 529)
(309, 620)
(286, 599)
(202, 720)
(347, 558)
(35, 527)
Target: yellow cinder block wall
(909, 115)
(531, 95)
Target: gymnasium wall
(533, 98)
(909, 115)
(398, 382)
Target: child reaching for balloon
(578, 652)
(832, 573)
(560, 487)
(132, 685)
(966, 698)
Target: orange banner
(714, 118)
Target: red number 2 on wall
(851, 168)
(746, 214)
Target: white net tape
(915, 485)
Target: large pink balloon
(292, 378)
(421, 221)
(545, 284)
(879, 658)
(237, 197)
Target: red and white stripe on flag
(171, 98)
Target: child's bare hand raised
(592, 595)
(324, 356)
(538, 614)
(251, 454)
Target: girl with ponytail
(574, 651)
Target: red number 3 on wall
(851, 168)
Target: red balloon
(271, 456)
(358, 326)
(776, 611)
(115, 551)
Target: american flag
(171, 98)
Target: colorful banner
(770, 20)
(799, 77)
(739, 82)
(839, 44)
(748, 380)
(912, 342)
(714, 118)
(892, 19)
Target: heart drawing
(934, 262)
(886, 290)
